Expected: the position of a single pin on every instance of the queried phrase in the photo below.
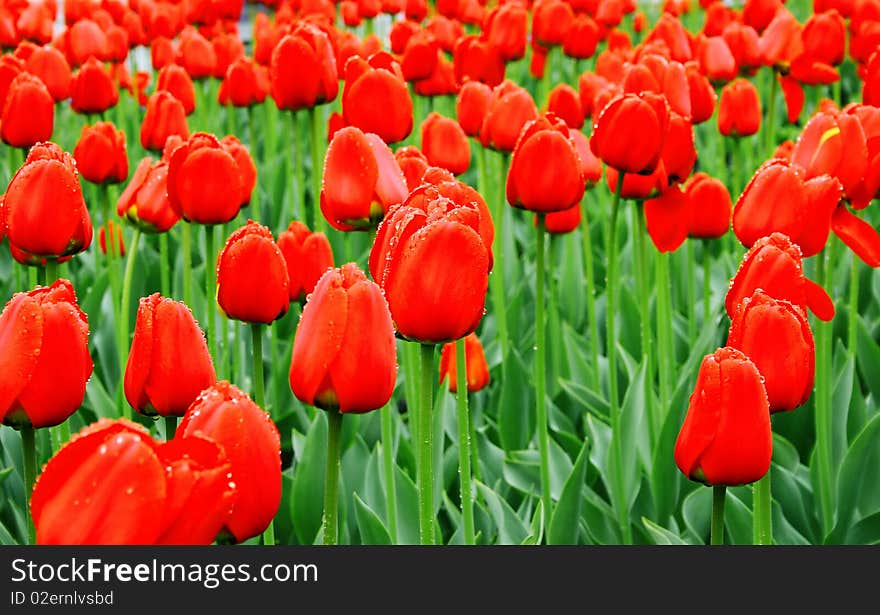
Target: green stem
(126, 300)
(210, 290)
(691, 292)
(707, 283)
(664, 329)
(499, 297)
(614, 402)
(464, 442)
(316, 117)
(170, 427)
(770, 120)
(426, 464)
(165, 269)
(643, 286)
(591, 297)
(387, 414)
(331, 479)
(853, 316)
(823, 407)
(257, 342)
(719, 494)
(762, 512)
(541, 372)
(186, 247)
(51, 271)
(29, 451)
(288, 208)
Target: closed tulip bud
(679, 149)
(589, 86)
(10, 67)
(344, 353)
(45, 356)
(478, 60)
(472, 105)
(246, 166)
(445, 144)
(824, 37)
(742, 40)
(85, 39)
(475, 365)
(93, 89)
(582, 38)
(174, 78)
(510, 108)
(716, 59)
(252, 444)
(52, 68)
(530, 183)
(205, 182)
(308, 255)
(28, 113)
(673, 33)
(591, 166)
(44, 209)
(507, 28)
(144, 202)
(303, 70)
(361, 180)
(562, 222)
(551, 21)
(420, 56)
(196, 54)
(165, 117)
(376, 99)
(228, 47)
(776, 336)
(801, 210)
(441, 82)
(638, 187)
(246, 83)
(101, 155)
(871, 81)
(667, 218)
(774, 264)
(759, 13)
(702, 94)
(565, 103)
(162, 53)
(629, 132)
(159, 380)
(433, 265)
(710, 207)
(413, 164)
(252, 279)
(117, 244)
(726, 437)
(739, 110)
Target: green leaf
(371, 528)
(737, 519)
(622, 479)
(509, 526)
(5, 473)
(852, 477)
(697, 512)
(307, 497)
(660, 535)
(564, 523)
(516, 420)
(586, 398)
(536, 533)
(868, 354)
(407, 508)
(523, 470)
(866, 531)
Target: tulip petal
(21, 333)
(860, 236)
(818, 300)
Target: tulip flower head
(101, 155)
(308, 256)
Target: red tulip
(117, 243)
(344, 352)
(100, 154)
(445, 144)
(562, 222)
(174, 78)
(45, 356)
(629, 132)
(551, 21)
(165, 116)
(565, 102)
(85, 39)
(361, 180)
(582, 38)
(774, 265)
(739, 110)
(28, 113)
(702, 94)
(824, 37)
(871, 81)
(252, 280)
(531, 184)
(679, 153)
(726, 437)
(228, 47)
(833, 144)
(472, 105)
(158, 378)
(676, 38)
(475, 365)
(413, 164)
(376, 99)
(420, 56)
(506, 28)
(303, 69)
(510, 108)
(308, 255)
(52, 68)
(246, 83)
(433, 265)
(478, 60)
(667, 219)
(92, 89)
(144, 202)
(44, 208)
(716, 59)
(246, 166)
(196, 54)
(743, 42)
(710, 207)
(205, 182)
(252, 444)
(776, 336)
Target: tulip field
(466, 272)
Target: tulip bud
(710, 207)
(726, 437)
(445, 144)
(246, 83)
(475, 365)
(116, 242)
(45, 356)
(144, 202)
(101, 155)
(472, 105)
(49, 64)
(739, 110)
(564, 102)
(376, 99)
(173, 78)
(629, 132)
(92, 89)
(510, 108)
(776, 336)
(165, 117)
(28, 113)
(303, 69)
(252, 280)
(413, 164)
(308, 255)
